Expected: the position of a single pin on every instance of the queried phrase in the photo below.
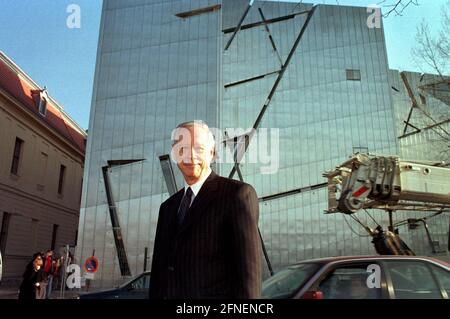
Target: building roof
(20, 86)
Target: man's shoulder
(172, 198)
(233, 184)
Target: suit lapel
(173, 211)
(203, 198)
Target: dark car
(362, 277)
(136, 288)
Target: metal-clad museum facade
(160, 63)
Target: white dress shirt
(197, 186)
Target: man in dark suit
(207, 242)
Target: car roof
(327, 260)
(131, 279)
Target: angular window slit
(169, 177)
(238, 27)
(250, 79)
(199, 11)
(292, 192)
(266, 27)
(257, 24)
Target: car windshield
(286, 282)
(139, 282)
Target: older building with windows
(317, 74)
(41, 171)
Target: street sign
(89, 276)
(91, 265)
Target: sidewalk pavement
(8, 293)
(13, 293)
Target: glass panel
(286, 282)
(443, 276)
(413, 280)
(348, 282)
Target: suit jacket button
(171, 268)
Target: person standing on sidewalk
(207, 243)
(49, 269)
(31, 278)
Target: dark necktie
(184, 206)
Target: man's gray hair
(197, 123)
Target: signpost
(64, 271)
(90, 267)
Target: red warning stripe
(360, 191)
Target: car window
(443, 276)
(412, 280)
(142, 283)
(286, 283)
(348, 282)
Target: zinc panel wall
(320, 116)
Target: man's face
(193, 152)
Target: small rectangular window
(353, 75)
(43, 106)
(81, 191)
(62, 171)
(16, 156)
(54, 234)
(43, 172)
(4, 232)
(76, 237)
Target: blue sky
(35, 35)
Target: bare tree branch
(443, 44)
(431, 51)
(398, 7)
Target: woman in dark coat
(31, 277)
